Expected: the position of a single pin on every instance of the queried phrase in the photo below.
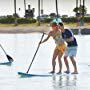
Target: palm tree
(25, 7)
(56, 7)
(76, 3)
(42, 7)
(80, 10)
(83, 7)
(15, 6)
(76, 10)
(15, 13)
(83, 10)
(39, 2)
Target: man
(71, 50)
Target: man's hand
(69, 39)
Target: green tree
(82, 10)
(76, 10)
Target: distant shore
(24, 29)
(33, 28)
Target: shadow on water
(67, 82)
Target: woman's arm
(45, 39)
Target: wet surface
(22, 48)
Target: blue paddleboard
(40, 75)
(6, 63)
(30, 75)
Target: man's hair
(61, 24)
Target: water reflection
(65, 82)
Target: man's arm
(70, 36)
(69, 39)
(46, 38)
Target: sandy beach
(24, 29)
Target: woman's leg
(55, 54)
(60, 62)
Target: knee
(72, 58)
(65, 58)
(53, 63)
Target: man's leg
(67, 65)
(74, 65)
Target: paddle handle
(35, 53)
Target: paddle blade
(10, 59)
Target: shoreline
(31, 29)
(24, 29)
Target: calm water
(22, 48)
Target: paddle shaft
(35, 54)
(3, 49)
(57, 8)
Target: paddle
(56, 8)
(57, 11)
(35, 54)
(8, 57)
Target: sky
(65, 7)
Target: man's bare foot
(59, 72)
(67, 72)
(74, 73)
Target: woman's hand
(40, 42)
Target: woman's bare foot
(67, 72)
(52, 72)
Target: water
(22, 48)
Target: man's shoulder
(68, 30)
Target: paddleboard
(6, 63)
(30, 75)
(22, 74)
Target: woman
(60, 46)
